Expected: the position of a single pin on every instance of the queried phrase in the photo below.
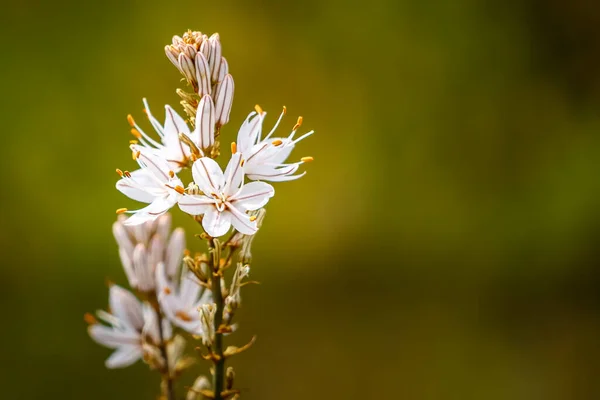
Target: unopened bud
(229, 377)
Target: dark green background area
(443, 245)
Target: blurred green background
(443, 245)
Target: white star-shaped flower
(155, 183)
(171, 148)
(225, 199)
(131, 328)
(265, 158)
(181, 304)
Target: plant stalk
(219, 360)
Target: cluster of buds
(199, 59)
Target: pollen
(253, 218)
(179, 189)
(306, 159)
(284, 110)
(133, 142)
(298, 124)
(276, 142)
(136, 133)
(120, 172)
(171, 174)
(167, 290)
(130, 120)
(242, 163)
(183, 316)
(136, 154)
(121, 210)
(233, 148)
(90, 319)
(258, 109)
(127, 174)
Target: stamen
(253, 218)
(90, 319)
(133, 142)
(136, 155)
(171, 174)
(298, 124)
(306, 159)
(130, 120)
(186, 252)
(193, 157)
(183, 316)
(277, 142)
(284, 110)
(179, 189)
(167, 290)
(136, 133)
(242, 163)
(120, 172)
(121, 210)
(127, 174)
(258, 109)
(233, 148)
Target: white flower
(142, 247)
(155, 183)
(180, 304)
(132, 328)
(171, 148)
(265, 157)
(225, 199)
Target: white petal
(189, 289)
(253, 196)
(241, 221)
(174, 125)
(134, 187)
(205, 123)
(122, 237)
(223, 99)
(125, 306)
(163, 226)
(214, 60)
(274, 173)
(216, 223)
(248, 132)
(126, 260)
(223, 70)
(234, 175)
(196, 205)
(154, 163)
(112, 338)
(186, 66)
(174, 252)
(124, 357)
(150, 328)
(208, 175)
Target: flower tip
(306, 159)
(90, 319)
(233, 148)
(121, 210)
(130, 120)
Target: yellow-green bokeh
(443, 244)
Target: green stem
(219, 363)
(166, 374)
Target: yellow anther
(233, 148)
(186, 253)
(179, 189)
(298, 124)
(121, 210)
(136, 133)
(89, 318)
(306, 159)
(133, 142)
(183, 316)
(276, 142)
(136, 154)
(284, 110)
(127, 174)
(253, 218)
(171, 174)
(258, 109)
(167, 290)
(120, 172)
(242, 163)
(130, 120)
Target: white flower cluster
(222, 198)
